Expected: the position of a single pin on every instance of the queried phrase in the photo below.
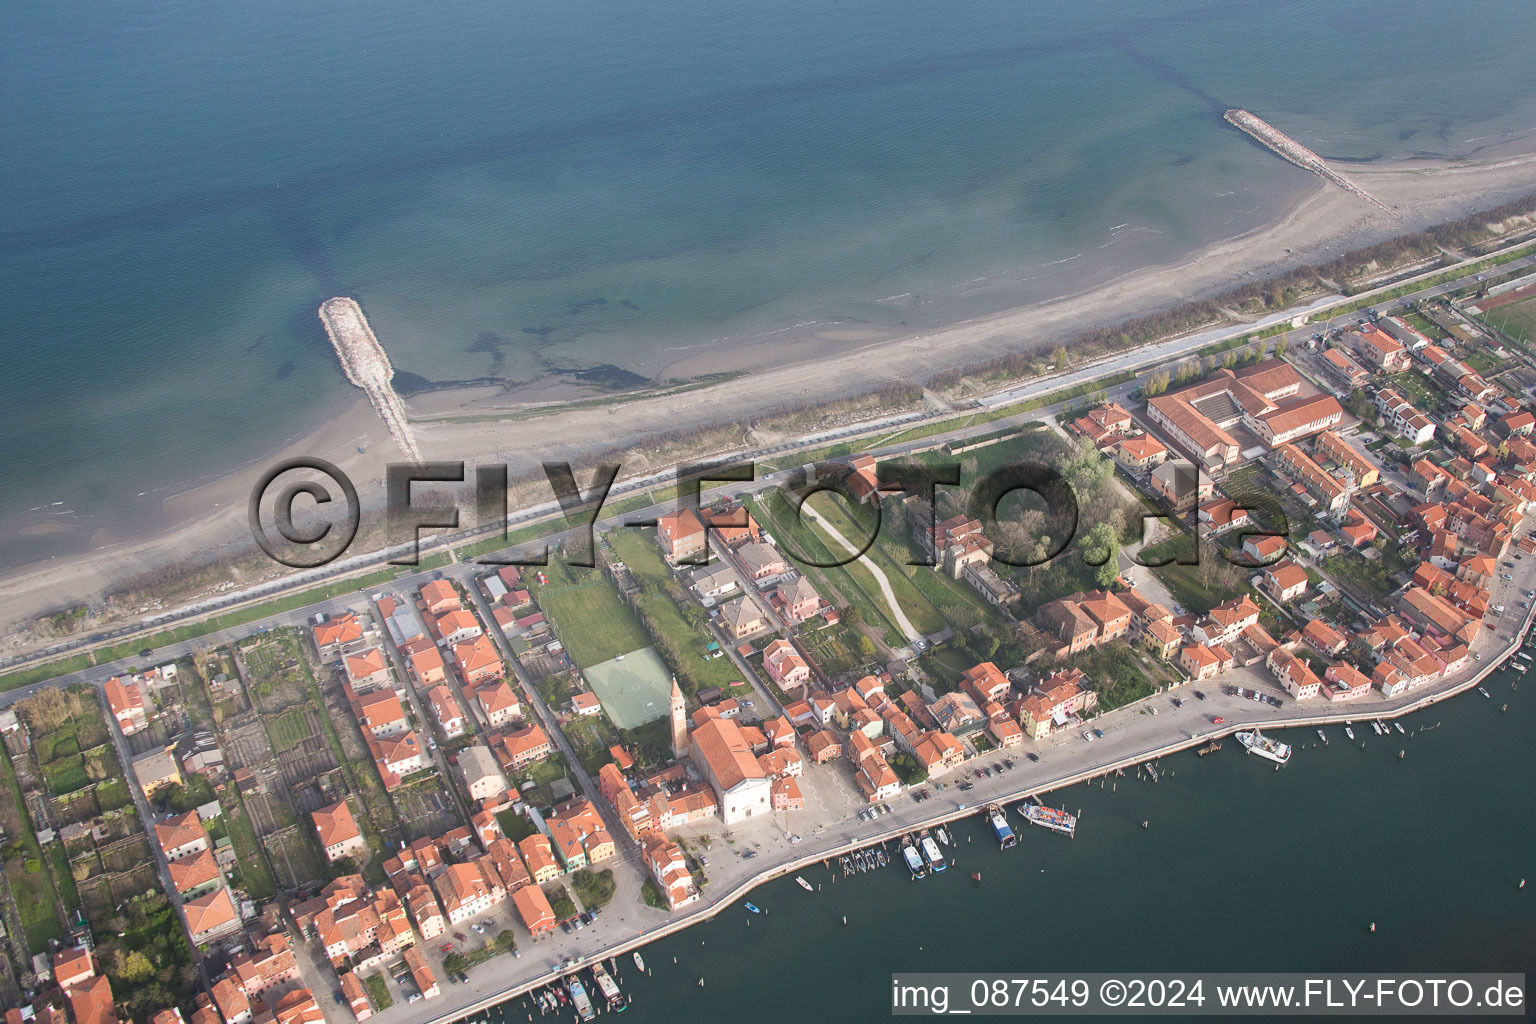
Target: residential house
(534, 910)
(785, 666)
(211, 917)
(339, 835)
(125, 699)
(181, 836)
(478, 661)
(499, 703)
(669, 870)
(482, 775)
(743, 617)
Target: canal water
(1241, 868)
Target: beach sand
(208, 522)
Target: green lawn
(590, 617)
(28, 873)
(253, 864)
(1516, 319)
(680, 642)
(593, 888)
(378, 992)
(852, 584)
(918, 608)
(66, 776)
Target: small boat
(943, 836)
(1399, 727)
(804, 884)
(1209, 748)
(913, 858)
(976, 876)
(753, 907)
(1485, 693)
(1349, 732)
(639, 960)
(1376, 726)
(1322, 736)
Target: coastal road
(1138, 360)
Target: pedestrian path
(898, 616)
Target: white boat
(1349, 732)
(1256, 743)
(1485, 693)
(1399, 727)
(1322, 736)
(584, 1009)
(804, 884)
(1000, 828)
(914, 860)
(944, 837)
(608, 988)
(1376, 726)
(639, 961)
(932, 855)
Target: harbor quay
(1131, 739)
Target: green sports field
(634, 688)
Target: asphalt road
(1138, 359)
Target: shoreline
(1409, 705)
(208, 518)
(1140, 358)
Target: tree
(1156, 384)
(1101, 548)
(505, 941)
(1280, 347)
(454, 963)
(133, 966)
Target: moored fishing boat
(608, 988)
(998, 819)
(584, 1008)
(932, 854)
(1053, 818)
(1257, 743)
(913, 858)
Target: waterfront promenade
(1132, 737)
